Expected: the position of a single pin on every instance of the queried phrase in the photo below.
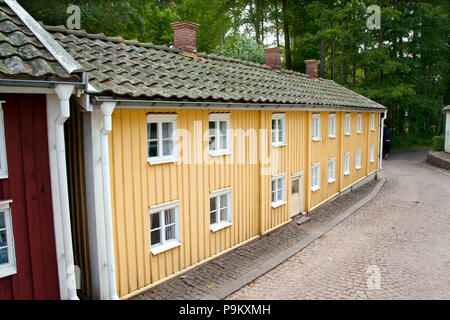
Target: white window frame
(278, 202)
(10, 268)
(358, 159)
(316, 127)
(332, 125)
(372, 122)
(372, 153)
(347, 164)
(359, 123)
(218, 118)
(3, 156)
(221, 224)
(315, 177)
(159, 119)
(165, 245)
(332, 170)
(347, 124)
(276, 117)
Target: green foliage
(438, 143)
(241, 47)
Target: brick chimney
(273, 58)
(312, 68)
(185, 37)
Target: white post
(107, 110)
(64, 92)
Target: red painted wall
(28, 185)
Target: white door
(296, 195)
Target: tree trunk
(287, 40)
(333, 53)
(322, 55)
(342, 69)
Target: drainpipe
(64, 92)
(380, 160)
(107, 109)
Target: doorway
(296, 204)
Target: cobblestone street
(402, 235)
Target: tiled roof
(447, 108)
(22, 55)
(127, 68)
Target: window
(278, 190)
(372, 122)
(3, 159)
(220, 209)
(7, 252)
(372, 153)
(161, 138)
(315, 177)
(278, 129)
(359, 124)
(332, 170)
(295, 188)
(347, 124)
(164, 233)
(346, 164)
(219, 134)
(316, 127)
(358, 159)
(332, 125)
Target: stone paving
(204, 280)
(394, 247)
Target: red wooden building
(36, 81)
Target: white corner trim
(219, 226)
(165, 247)
(62, 56)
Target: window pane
(280, 184)
(281, 136)
(3, 239)
(154, 221)
(170, 233)
(223, 215)
(274, 196)
(212, 204)
(212, 143)
(167, 147)
(280, 195)
(274, 135)
(167, 128)
(294, 186)
(274, 124)
(223, 142)
(4, 256)
(169, 216)
(213, 217)
(223, 127)
(152, 131)
(274, 185)
(224, 201)
(2, 220)
(155, 237)
(153, 149)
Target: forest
(403, 64)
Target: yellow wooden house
(189, 155)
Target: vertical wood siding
(77, 197)
(137, 185)
(28, 185)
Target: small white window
(278, 129)
(372, 122)
(162, 138)
(332, 170)
(332, 125)
(220, 209)
(315, 177)
(358, 159)
(3, 158)
(219, 134)
(164, 227)
(359, 123)
(7, 251)
(347, 131)
(372, 153)
(316, 127)
(278, 190)
(346, 164)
